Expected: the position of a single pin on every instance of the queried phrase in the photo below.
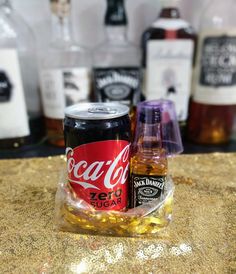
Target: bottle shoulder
(65, 57)
(66, 46)
(141, 164)
(116, 54)
(170, 24)
(115, 46)
(153, 33)
(152, 155)
(218, 16)
(15, 32)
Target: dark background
(43, 149)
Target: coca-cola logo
(98, 172)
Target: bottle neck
(170, 13)
(61, 21)
(115, 13)
(219, 16)
(5, 5)
(116, 34)
(61, 29)
(149, 139)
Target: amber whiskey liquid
(214, 96)
(55, 131)
(148, 176)
(210, 124)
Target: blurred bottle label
(215, 77)
(121, 85)
(13, 113)
(29, 73)
(61, 88)
(169, 71)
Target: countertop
(43, 149)
(200, 239)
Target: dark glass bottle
(168, 56)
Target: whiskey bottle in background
(214, 99)
(20, 108)
(168, 53)
(233, 133)
(117, 74)
(149, 164)
(64, 72)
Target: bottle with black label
(214, 99)
(168, 53)
(20, 109)
(117, 74)
(65, 69)
(149, 164)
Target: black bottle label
(118, 84)
(5, 87)
(218, 61)
(145, 188)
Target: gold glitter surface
(200, 239)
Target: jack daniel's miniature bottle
(117, 74)
(149, 159)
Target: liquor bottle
(117, 74)
(168, 54)
(20, 108)
(149, 164)
(214, 98)
(65, 72)
(233, 134)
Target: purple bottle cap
(162, 111)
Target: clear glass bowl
(76, 215)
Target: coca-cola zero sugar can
(97, 138)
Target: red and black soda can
(97, 138)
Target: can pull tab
(102, 110)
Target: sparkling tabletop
(200, 239)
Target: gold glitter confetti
(200, 239)
(74, 215)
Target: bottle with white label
(64, 72)
(214, 98)
(117, 74)
(20, 108)
(168, 52)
